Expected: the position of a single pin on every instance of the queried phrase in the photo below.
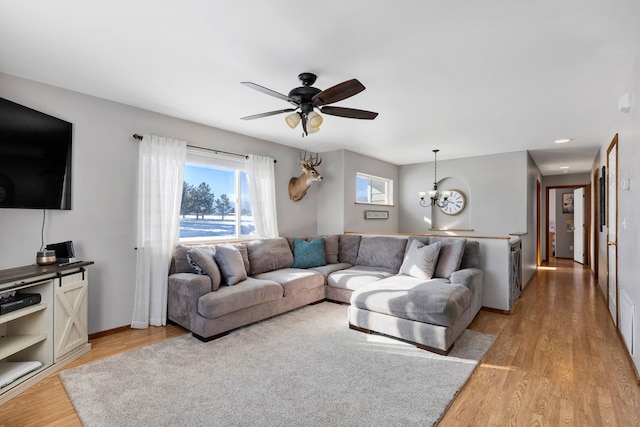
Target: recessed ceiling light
(563, 141)
(564, 167)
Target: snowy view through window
(215, 204)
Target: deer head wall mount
(298, 186)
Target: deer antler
(310, 160)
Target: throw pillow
(420, 260)
(180, 262)
(308, 254)
(202, 260)
(231, 265)
(450, 257)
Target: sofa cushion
(268, 255)
(231, 265)
(357, 276)
(420, 260)
(450, 255)
(229, 299)
(308, 254)
(326, 270)
(471, 256)
(331, 247)
(382, 251)
(349, 244)
(434, 301)
(202, 260)
(294, 279)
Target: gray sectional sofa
(424, 289)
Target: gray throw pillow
(231, 265)
(180, 262)
(450, 256)
(420, 260)
(245, 255)
(202, 259)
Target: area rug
(303, 368)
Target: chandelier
(437, 198)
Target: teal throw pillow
(308, 254)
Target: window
(373, 189)
(215, 198)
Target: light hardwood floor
(557, 360)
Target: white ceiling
(467, 77)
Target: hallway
(557, 360)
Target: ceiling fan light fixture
(314, 119)
(292, 120)
(312, 129)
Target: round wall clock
(456, 204)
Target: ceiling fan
(306, 99)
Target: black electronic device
(17, 301)
(64, 252)
(35, 159)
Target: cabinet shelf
(14, 343)
(22, 312)
(54, 331)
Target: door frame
(596, 222)
(614, 143)
(538, 240)
(587, 219)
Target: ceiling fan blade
(270, 113)
(350, 113)
(338, 92)
(268, 91)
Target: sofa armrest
(184, 290)
(470, 277)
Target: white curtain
(160, 175)
(262, 192)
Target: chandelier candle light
(437, 198)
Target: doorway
(561, 228)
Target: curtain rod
(139, 138)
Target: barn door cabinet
(52, 332)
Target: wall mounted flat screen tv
(35, 159)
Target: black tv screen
(35, 159)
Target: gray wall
(530, 239)
(496, 190)
(337, 210)
(627, 126)
(102, 223)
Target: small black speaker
(64, 251)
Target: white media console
(38, 340)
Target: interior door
(612, 228)
(578, 224)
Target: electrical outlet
(570, 247)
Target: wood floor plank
(557, 361)
(566, 364)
